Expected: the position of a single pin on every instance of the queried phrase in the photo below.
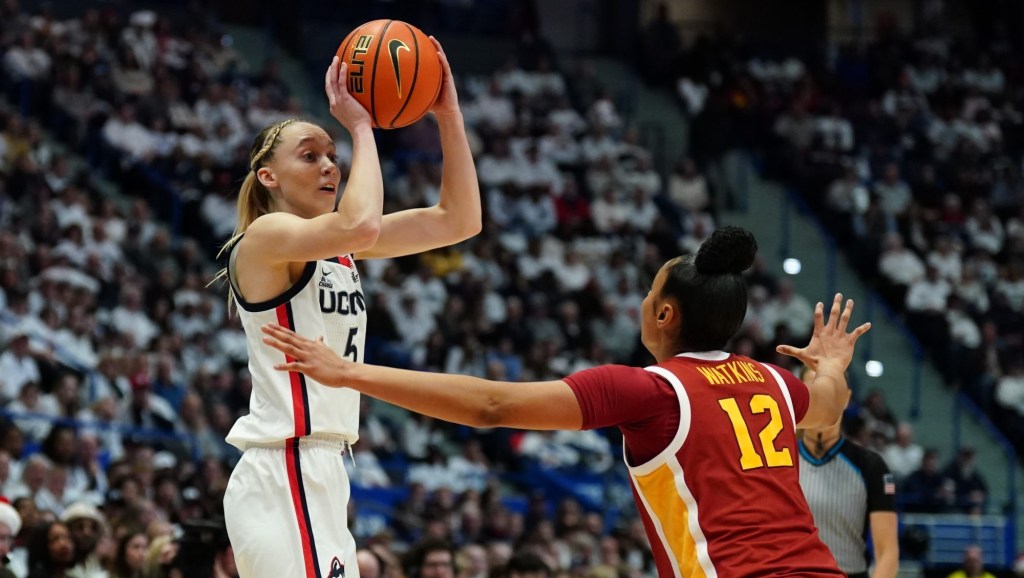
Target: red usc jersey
(710, 442)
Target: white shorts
(286, 511)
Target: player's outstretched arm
(829, 354)
(540, 405)
(457, 216)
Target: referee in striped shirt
(850, 490)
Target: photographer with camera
(204, 552)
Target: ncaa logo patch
(337, 569)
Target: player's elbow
(470, 228)
(492, 413)
(459, 224)
(360, 236)
(367, 232)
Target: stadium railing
(174, 440)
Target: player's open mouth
(328, 189)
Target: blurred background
(874, 147)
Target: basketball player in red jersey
(710, 437)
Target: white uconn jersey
(328, 300)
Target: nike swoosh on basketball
(394, 45)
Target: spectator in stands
(26, 60)
(926, 489)
(974, 564)
(1009, 394)
(430, 558)
(86, 526)
(688, 188)
(17, 365)
(899, 266)
(903, 456)
(926, 302)
(146, 410)
(970, 489)
(10, 525)
(34, 476)
(878, 418)
(984, 229)
(36, 408)
(130, 555)
(472, 561)
(526, 565)
(792, 310)
(893, 192)
(370, 564)
(160, 556)
(50, 551)
(6, 477)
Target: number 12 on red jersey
(749, 458)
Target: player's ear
(266, 177)
(666, 313)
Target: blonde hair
(254, 199)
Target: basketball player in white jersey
(292, 262)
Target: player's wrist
(361, 129)
(448, 116)
(830, 365)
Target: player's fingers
(860, 331)
(341, 82)
(283, 334)
(819, 317)
(790, 351)
(833, 315)
(844, 319)
(444, 57)
(320, 339)
(436, 44)
(327, 82)
(286, 348)
(290, 366)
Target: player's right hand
(830, 341)
(344, 107)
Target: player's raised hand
(447, 102)
(311, 358)
(344, 107)
(830, 339)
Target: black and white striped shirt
(843, 488)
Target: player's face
(305, 171)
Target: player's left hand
(829, 340)
(311, 358)
(447, 103)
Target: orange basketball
(393, 71)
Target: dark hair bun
(728, 250)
